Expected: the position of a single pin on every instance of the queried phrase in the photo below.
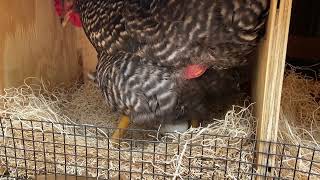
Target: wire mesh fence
(32, 149)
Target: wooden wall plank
(269, 80)
(88, 53)
(306, 48)
(33, 44)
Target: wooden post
(33, 44)
(268, 86)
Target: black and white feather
(143, 46)
(172, 32)
(154, 95)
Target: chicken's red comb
(194, 71)
(74, 17)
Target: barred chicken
(163, 61)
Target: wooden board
(268, 85)
(306, 48)
(33, 44)
(88, 53)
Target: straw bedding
(83, 104)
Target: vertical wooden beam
(269, 81)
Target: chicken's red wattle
(194, 71)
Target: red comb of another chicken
(194, 71)
(72, 17)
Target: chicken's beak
(66, 18)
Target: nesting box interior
(304, 37)
(34, 44)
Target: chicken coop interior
(55, 122)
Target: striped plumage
(154, 95)
(144, 45)
(171, 32)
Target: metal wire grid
(30, 148)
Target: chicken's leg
(122, 126)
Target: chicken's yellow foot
(121, 129)
(195, 123)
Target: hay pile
(300, 110)
(180, 158)
(300, 122)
